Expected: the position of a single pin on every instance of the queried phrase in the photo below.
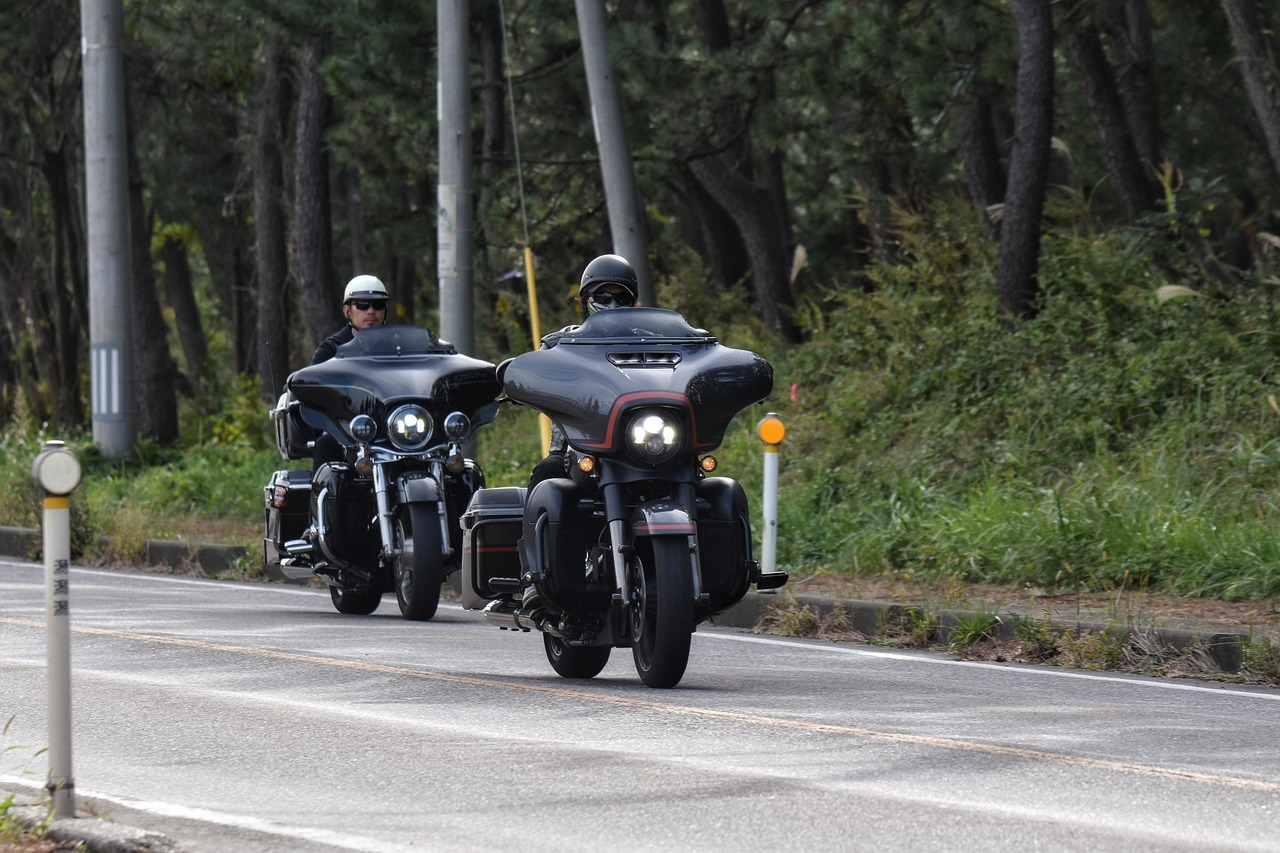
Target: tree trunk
(980, 150)
(1136, 191)
(312, 216)
(1258, 68)
(66, 305)
(354, 204)
(154, 397)
(179, 289)
(710, 233)
(752, 206)
(1028, 160)
(269, 224)
(223, 236)
(1128, 27)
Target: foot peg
(298, 547)
(771, 580)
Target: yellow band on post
(56, 502)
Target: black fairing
(385, 366)
(622, 359)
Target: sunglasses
(605, 299)
(365, 305)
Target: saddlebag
(724, 544)
(491, 529)
(288, 499)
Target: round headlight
(410, 427)
(653, 437)
(457, 425)
(363, 428)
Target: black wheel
(360, 603)
(575, 661)
(417, 572)
(661, 609)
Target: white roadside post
(57, 471)
(771, 431)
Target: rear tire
(575, 661)
(661, 609)
(417, 572)
(354, 603)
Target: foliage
(14, 831)
(1115, 441)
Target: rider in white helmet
(364, 304)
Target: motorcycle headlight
(410, 428)
(653, 436)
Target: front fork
(386, 512)
(383, 502)
(621, 547)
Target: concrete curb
(868, 617)
(875, 618)
(95, 835)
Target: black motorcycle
(636, 545)
(400, 404)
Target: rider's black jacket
(330, 345)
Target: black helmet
(609, 269)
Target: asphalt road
(253, 717)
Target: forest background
(1014, 263)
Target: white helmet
(364, 287)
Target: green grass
(1116, 442)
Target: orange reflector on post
(771, 429)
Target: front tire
(661, 609)
(575, 661)
(354, 603)
(417, 571)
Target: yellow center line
(689, 711)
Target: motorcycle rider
(608, 282)
(364, 304)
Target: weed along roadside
(1136, 633)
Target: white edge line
(174, 810)
(1027, 669)
(1031, 670)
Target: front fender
(662, 518)
(419, 487)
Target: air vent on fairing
(644, 359)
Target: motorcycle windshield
(626, 359)
(386, 365)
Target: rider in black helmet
(608, 282)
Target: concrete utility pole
(107, 214)
(454, 223)
(626, 214)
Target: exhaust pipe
(507, 617)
